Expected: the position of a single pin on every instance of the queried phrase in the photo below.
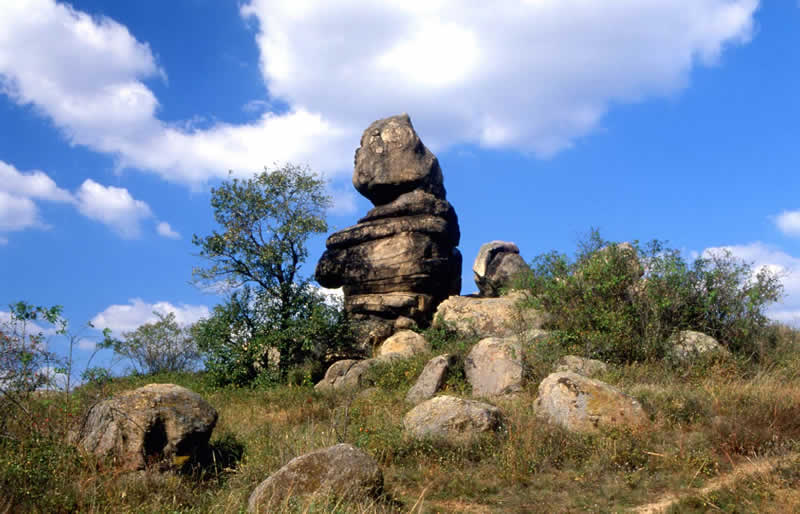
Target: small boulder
(431, 379)
(582, 404)
(488, 317)
(687, 345)
(346, 375)
(454, 418)
(406, 343)
(494, 367)
(581, 366)
(341, 471)
(158, 424)
(496, 265)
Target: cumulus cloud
(112, 206)
(763, 256)
(127, 317)
(527, 75)
(17, 213)
(788, 222)
(87, 74)
(33, 184)
(18, 190)
(165, 230)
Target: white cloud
(529, 75)
(34, 184)
(762, 256)
(112, 206)
(165, 230)
(127, 317)
(18, 190)
(87, 75)
(788, 222)
(17, 213)
(87, 345)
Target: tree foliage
(622, 303)
(273, 318)
(157, 347)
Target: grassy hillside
(709, 420)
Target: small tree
(265, 222)
(157, 347)
(26, 364)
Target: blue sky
(668, 119)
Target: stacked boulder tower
(400, 260)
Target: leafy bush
(622, 302)
(244, 344)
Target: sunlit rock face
(400, 261)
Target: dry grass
(707, 421)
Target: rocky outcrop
(494, 367)
(163, 425)
(400, 261)
(495, 267)
(688, 345)
(488, 317)
(456, 419)
(405, 343)
(581, 365)
(341, 471)
(432, 378)
(582, 404)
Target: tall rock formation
(400, 261)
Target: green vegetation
(274, 319)
(621, 303)
(158, 347)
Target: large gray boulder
(494, 367)
(453, 418)
(582, 404)
(400, 261)
(688, 345)
(488, 317)
(162, 425)
(497, 264)
(341, 471)
(432, 378)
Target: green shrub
(622, 302)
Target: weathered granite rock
(581, 365)
(342, 471)
(488, 317)
(158, 424)
(687, 345)
(392, 160)
(432, 378)
(400, 261)
(346, 375)
(582, 404)
(454, 418)
(494, 367)
(405, 343)
(350, 375)
(496, 265)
